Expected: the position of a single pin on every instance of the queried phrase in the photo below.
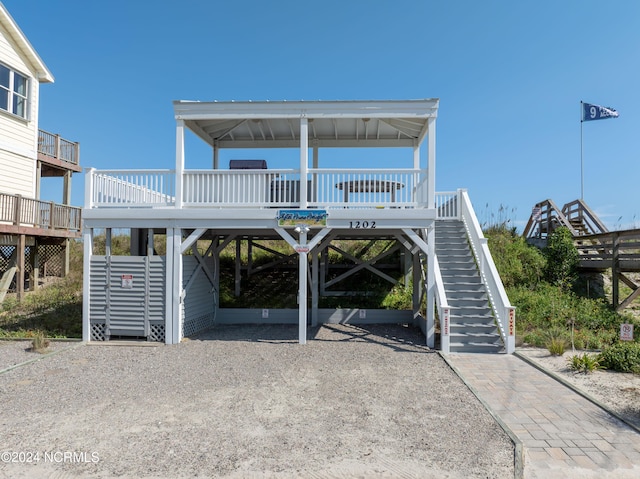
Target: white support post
(88, 187)
(416, 156)
(315, 297)
(176, 288)
(168, 314)
(179, 161)
(431, 172)
(303, 263)
(86, 283)
(431, 286)
(304, 161)
(417, 286)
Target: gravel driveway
(248, 401)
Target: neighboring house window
(13, 92)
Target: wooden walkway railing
(28, 212)
(600, 249)
(615, 250)
(53, 146)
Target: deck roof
(267, 124)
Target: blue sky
(510, 76)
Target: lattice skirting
(156, 332)
(98, 332)
(195, 325)
(51, 259)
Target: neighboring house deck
(34, 234)
(167, 297)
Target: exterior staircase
(472, 325)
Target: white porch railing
(241, 188)
(502, 309)
(367, 187)
(447, 205)
(131, 188)
(326, 188)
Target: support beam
(417, 288)
(364, 265)
(431, 285)
(431, 172)
(175, 289)
(34, 277)
(21, 266)
(615, 270)
(635, 293)
(304, 161)
(179, 161)
(238, 269)
(191, 239)
(315, 297)
(87, 241)
(302, 291)
(428, 247)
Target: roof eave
(43, 74)
(190, 110)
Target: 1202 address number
(362, 224)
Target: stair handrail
(585, 215)
(503, 311)
(444, 310)
(545, 214)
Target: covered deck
(318, 196)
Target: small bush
(585, 363)
(622, 356)
(39, 343)
(562, 259)
(556, 346)
(556, 341)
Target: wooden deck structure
(600, 250)
(27, 224)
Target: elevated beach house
(34, 234)
(168, 293)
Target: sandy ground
(619, 392)
(248, 402)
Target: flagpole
(581, 153)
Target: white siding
(17, 175)
(18, 137)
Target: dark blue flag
(597, 112)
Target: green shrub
(400, 297)
(555, 341)
(562, 259)
(517, 262)
(585, 363)
(556, 346)
(622, 356)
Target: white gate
(127, 297)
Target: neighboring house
(196, 213)
(33, 233)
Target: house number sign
(362, 225)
